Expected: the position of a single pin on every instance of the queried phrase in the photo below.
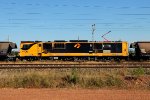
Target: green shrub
(138, 71)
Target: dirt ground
(73, 94)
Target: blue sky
(48, 20)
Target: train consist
(76, 50)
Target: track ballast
(80, 65)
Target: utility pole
(93, 30)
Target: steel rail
(48, 66)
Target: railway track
(61, 66)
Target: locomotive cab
(30, 50)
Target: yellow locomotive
(73, 49)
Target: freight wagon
(141, 50)
(6, 49)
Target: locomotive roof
(30, 41)
(85, 41)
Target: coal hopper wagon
(6, 50)
(141, 50)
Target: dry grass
(76, 78)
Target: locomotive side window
(27, 46)
(106, 46)
(113, 47)
(59, 46)
(119, 47)
(40, 45)
(98, 46)
(47, 46)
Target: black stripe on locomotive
(84, 47)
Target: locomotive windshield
(27, 46)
